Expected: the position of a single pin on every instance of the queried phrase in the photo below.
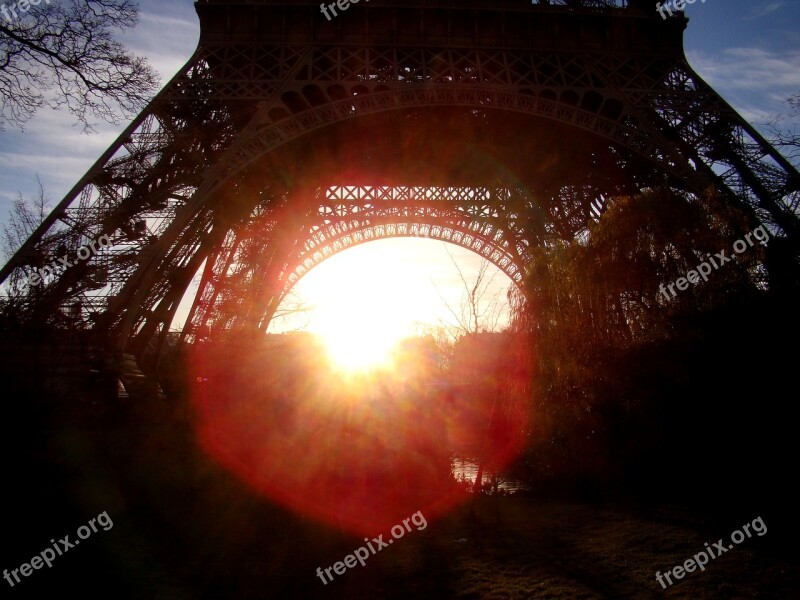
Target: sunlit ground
(362, 301)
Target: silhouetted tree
(480, 308)
(784, 136)
(592, 300)
(25, 216)
(64, 55)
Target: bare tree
(23, 219)
(786, 139)
(289, 311)
(25, 216)
(440, 336)
(63, 55)
(479, 311)
(480, 308)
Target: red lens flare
(358, 453)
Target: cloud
(751, 69)
(754, 81)
(167, 41)
(765, 10)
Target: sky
(748, 51)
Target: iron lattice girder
(572, 89)
(268, 74)
(431, 23)
(150, 171)
(653, 105)
(480, 219)
(233, 277)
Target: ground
(183, 527)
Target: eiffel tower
(294, 133)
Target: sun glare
(358, 344)
(357, 322)
(362, 309)
(366, 299)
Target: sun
(365, 301)
(362, 302)
(363, 342)
(362, 309)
